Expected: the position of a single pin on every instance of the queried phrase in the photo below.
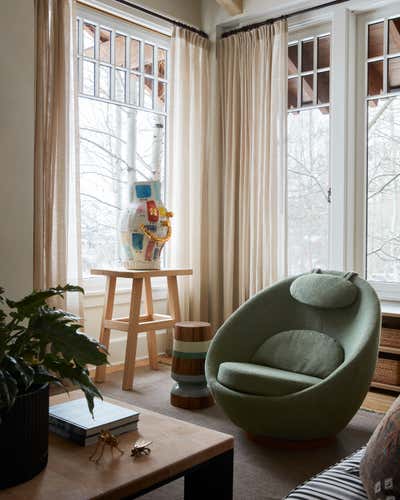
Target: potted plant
(39, 345)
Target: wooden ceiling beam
(233, 7)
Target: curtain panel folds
(188, 168)
(56, 204)
(253, 105)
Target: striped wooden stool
(191, 341)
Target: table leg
(131, 341)
(212, 479)
(173, 298)
(151, 336)
(104, 338)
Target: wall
(16, 145)
(213, 15)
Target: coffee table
(202, 456)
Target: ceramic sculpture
(145, 226)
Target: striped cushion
(339, 482)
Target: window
(308, 176)
(382, 101)
(123, 92)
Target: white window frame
(144, 28)
(386, 291)
(309, 30)
(347, 129)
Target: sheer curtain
(189, 170)
(253, 90)
(56, 206)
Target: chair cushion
(262, 380)
(302, 351)
(326, 291)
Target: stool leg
(173, 298)
(131, 341)
(104, 338)
(151, 336)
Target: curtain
(56, 204)
(188, 175)
(253, 95)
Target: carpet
(260, 473)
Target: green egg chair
(296, 360)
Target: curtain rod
(249, 27)
(163, 18)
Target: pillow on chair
(302, 351)
(327, 291)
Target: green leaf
(21, 372)
(8, 389)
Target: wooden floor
(378, 401)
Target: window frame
(389, 291)
(148, 32)
(310, 28)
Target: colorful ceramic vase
(145, 226)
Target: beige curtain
(56, 206)
(252, 85)
(188, 174)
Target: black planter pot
(24, 432)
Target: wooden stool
(191, 341)
(135, 323)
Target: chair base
(288, 444)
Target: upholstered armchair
(296, 360)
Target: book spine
(89, 440)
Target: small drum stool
(191, 341)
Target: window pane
(161, 96)
(293, 64)
(323, 87)
(135, 55)
(148, 59)
(88, 78)
(308, 182)
(120, 77)
(324, 52)
(383, 241)
(89, 31)
(307, 89)
(375, 39)
(375, 78)
(394, 35)
(113, 139)
(292, 92)
(105, 45)
(120, 50)
(307, 54)
(104, 82)
(135, 90)
(148, 93)
(162, 63)
(394, 74)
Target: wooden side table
(135, 323)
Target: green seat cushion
(262, 380)
(326, 291)
(302, 351)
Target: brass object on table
(105, 439)
(140, 448)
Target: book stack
(72, 420)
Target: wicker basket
(387, 371)
(390, 337)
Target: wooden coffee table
(203, 456)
